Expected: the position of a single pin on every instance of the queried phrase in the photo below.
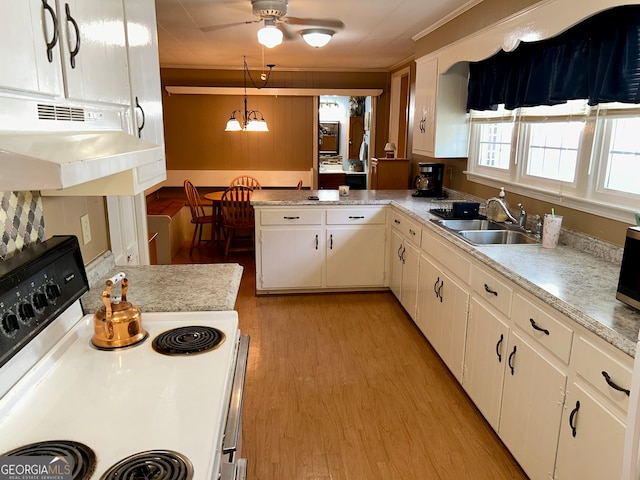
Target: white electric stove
(125, 413)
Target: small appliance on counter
(428, 183)
(459, 211)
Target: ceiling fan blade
(286, 32)
(213, 28)
(314, 22)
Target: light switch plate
(86, 229)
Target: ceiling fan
(273, 15)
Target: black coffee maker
(428, 183)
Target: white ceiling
(377, 34)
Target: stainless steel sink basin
(475, 224)
(497, 237)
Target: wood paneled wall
(194, 124)
(196, 140)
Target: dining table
(216, 199)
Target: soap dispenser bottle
(499, 214)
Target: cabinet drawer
(291, 217)
(594, 364)
(492, 289)
(356, 216)
(550, 332)
(408, 228)
(451, 258)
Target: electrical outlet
(86, 229)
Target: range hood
(71, 151)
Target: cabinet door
(146, 94)
(290, 258)
(395, 254)
(95, 31)
(428, 300)
(425, 98)
(485, 359)
(410, 266)
(28, 27)
(531, 408)
(452, 323)
(356, 256)
(591, 439)
(442, 314)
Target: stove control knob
(40, 300)
(10, 324)
(26, 311)
(53, 291)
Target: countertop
(578, 284)
(168, 288)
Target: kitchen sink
(497, 237)
(471, 224)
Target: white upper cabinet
(76, 48)
(440, 127)
(144, 69)
(30, 42)
(94, 56)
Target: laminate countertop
(574, 281)
(167, 288)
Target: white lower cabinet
(485, 359)
(353, 256)
(291, 257)
(405, 258)
(442, 314)
(593, 424)
(532, 399)
(591, 440)
(320, 249)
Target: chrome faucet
(522, 219)
(504, 208)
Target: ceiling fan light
(317, 37)
(269, 36)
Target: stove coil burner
(151, 465)
(84, 459)
(188, 340)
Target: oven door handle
(234, 419)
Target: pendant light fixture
(252, 120)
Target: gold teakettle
(118, 323)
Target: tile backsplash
(22, 220)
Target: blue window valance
(597, 60)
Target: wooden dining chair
(247, 181)
(199, 217)
(237, 216)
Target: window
(495, 145)
(553, 150)
(623, 157)
(571, 152)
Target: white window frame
(586, 193)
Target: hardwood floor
(345, 387)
